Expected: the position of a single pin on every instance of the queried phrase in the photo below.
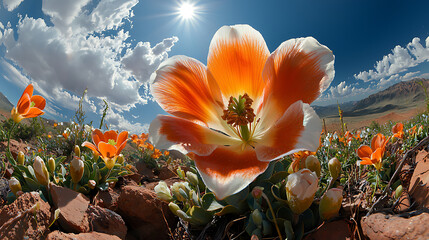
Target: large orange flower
(373, 155)
(108, 145)
(28, 106)
(245, 109)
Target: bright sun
(187, 11)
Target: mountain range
(401, 96)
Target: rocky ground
(130, 210)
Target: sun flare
(187, 11)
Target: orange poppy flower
(28, 106)
(357, 136)
(245, 109)
(373, 155)
(412, 131)
(108, 145)
(156, 153)
(398, 130)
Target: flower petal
(39, 101)
(365, 161)
(299, 69)
(97, 136)
(364, 152)
(378, 141)
(90, 146)
(226, 172)
(28, 90)
(377, 155)
(33, 112)
(237, 56)
(23, 104)
(107, 150)
(122, 137)
(111, 134)
(183, 87)
(298, 129)
(167, 132)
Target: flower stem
(376, 184)
(8, 138)
(274, 215)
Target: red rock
(332, 230)
(145, 215)
(73, 206)
(57, 235)
(386, 227)
(25, 226)
(15, 147)
(166, 173)
(419, 184)
(404, 202)
(106, 221)
(108, 199)
(144, 170)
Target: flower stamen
(240, 116)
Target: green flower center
(32, 104)
(112, 142)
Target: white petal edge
(236, 32)
(160, 141)
(311, 45)
(224, 187)
(309, 139)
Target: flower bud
(21, 158)
(162, 191)
(14, 185)
(173, 207)
(180, 173)
(398, 191)
(334, 166)
(257, 218)
(257, 192)
(192, 177)
(312, 163)
(180, 190)
(41, 171)
(92, 184)
(300, 190)
(76, 151)
(51, 165)
(76, 169)
(120, 159)
(330, 203)
(110, 162)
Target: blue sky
(112, 47)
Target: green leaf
(199, 216)
(238, 198)
(32, 184)
(209, 202)
(227, 210)
(111, 179)
(275, 191)
(60, 160)
(289, 230)
(278, 177)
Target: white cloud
(143, 60)
(86, 47)
(10, 5)
(400, 60)
(118, 122)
